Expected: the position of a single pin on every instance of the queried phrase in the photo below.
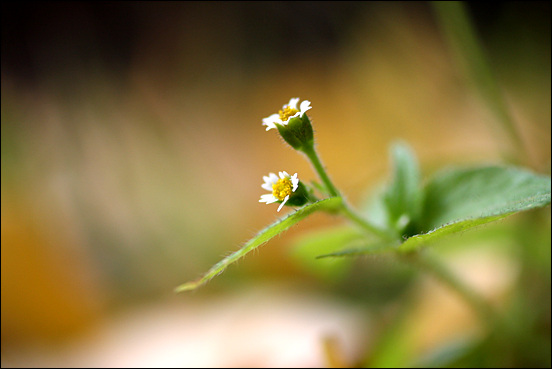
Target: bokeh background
(133, 154)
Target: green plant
(412, 214)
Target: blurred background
(132, 159)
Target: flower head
(281, 188)
(288, 111)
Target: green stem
(363, 223)
(428, 263)
(317, 164)
(333, 191)
(462, 38)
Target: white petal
(292, 103)
(298, 114)
(270, 180)
(270, 122)
(284, 174)
(305, 105)
(295, 181)
(267, 186)
(269, 199)
(283, 202)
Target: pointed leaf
(262, 237)
(403, 197)
(460, 199)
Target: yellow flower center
(286, 113)
(282, 188)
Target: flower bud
(293, 124)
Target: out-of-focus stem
(430, 264)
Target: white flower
(280, 188)
(288, 111)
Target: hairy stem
(346, 209)
(317, 164)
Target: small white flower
(288, 111)
(280, 188)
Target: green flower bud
(298, 132)
(293, 124)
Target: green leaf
(308, 248)
(421, 239)
(330, 204)
(363, 247)
(460, 199)
(403, 197)
(457, 194)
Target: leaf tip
(186, 287)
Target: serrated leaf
(458, 194)
(418, 240)
(459, 199)
(262, 237)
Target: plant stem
(423, 261)
(363, 223)
(462, 38)
(428, 263)
(333, 191)
(317, 164)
